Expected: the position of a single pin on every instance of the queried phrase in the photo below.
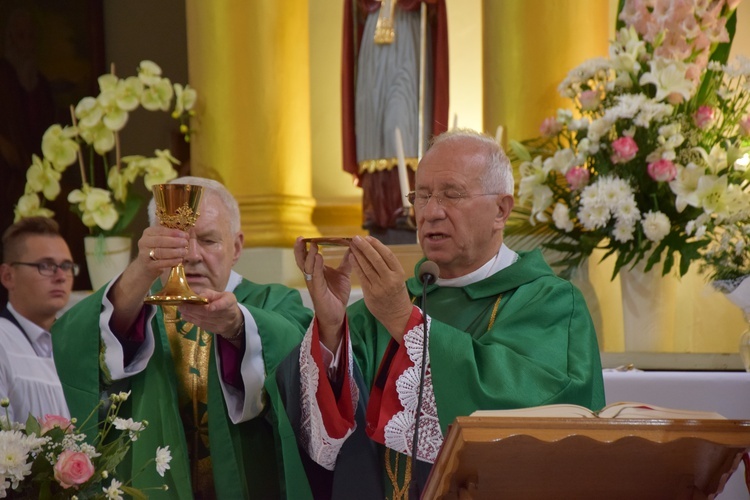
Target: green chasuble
(519, 338)
(242, 455)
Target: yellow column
(249, 62)
(528, 48)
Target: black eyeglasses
(447, 198)
(50, 268)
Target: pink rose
(589, 100)
(51, 421)
(624, 149)
(577, 177)
(550, 127)
(662, 170)
(704, 117)
(73, 468)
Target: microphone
(427, 273)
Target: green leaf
(128, 212)
(520, 151)
(133, 492)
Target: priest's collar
(504, 258)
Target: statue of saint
(381, 92)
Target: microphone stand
(414, 492)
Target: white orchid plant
(93, 141)
(652, 162)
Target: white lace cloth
(399, 430)
(321, 447)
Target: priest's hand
(329, 290)
(220, 316)
(383, 284)
(159, 248)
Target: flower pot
(738, 292)
(106, 257)
(581, 279)
(648, 309)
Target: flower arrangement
(47, 458)
(652, 163)
(93, 138)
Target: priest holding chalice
(192, 341)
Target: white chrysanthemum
(623, 231)
(561, 218)
(613, 192)
(627, 210)
(598, 128)
(163, 457)
(133, 427)
(656, 226)
(113, 492)
(652, 111)
(15, 462)
(594, 216)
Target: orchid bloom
(58, 147)
(185, 98)
(96, 206)
(29, 205)
(159, 170)
(43, 178)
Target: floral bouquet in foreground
(47, 458)
(104, 201)
(652, 163)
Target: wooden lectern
(577, 458)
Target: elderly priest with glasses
(503, 332)
(38, 272)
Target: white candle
(403, 179)
(499, 135)
(455, 120)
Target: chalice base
(176, 291)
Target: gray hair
(216, 187)
(498, 174)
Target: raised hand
(329, 290)
(383, 284)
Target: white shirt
(28, 377)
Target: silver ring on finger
(308, 277)
(152, 254)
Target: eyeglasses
(50, 268)
(447, 198)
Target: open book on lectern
(621, 409)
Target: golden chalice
(177, 207)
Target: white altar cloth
(727, 393)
